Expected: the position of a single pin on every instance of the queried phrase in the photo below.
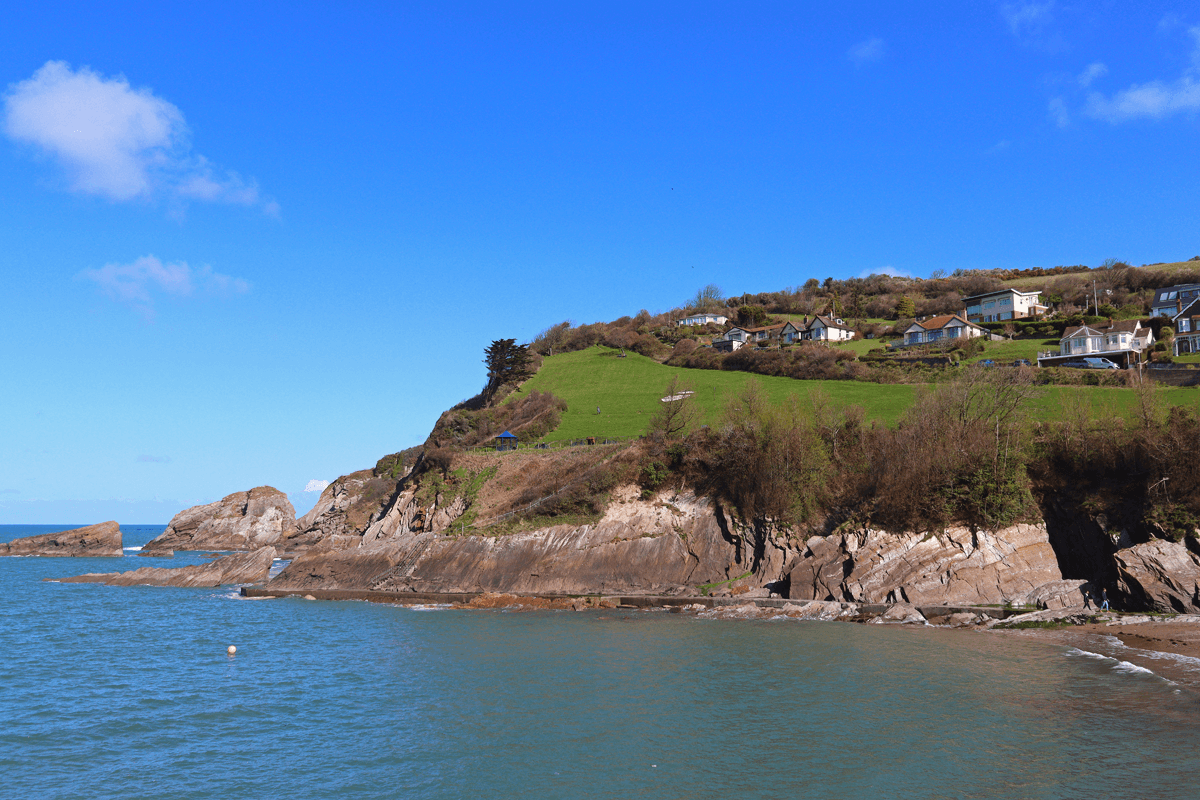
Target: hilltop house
(1170, 300)
(1003, 305)
(1187, 329)
(943, 329)
(1120, 342)
(819, 328)
(703, 319)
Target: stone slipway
(625, 601)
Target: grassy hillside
(1039, 282)
(628, 391)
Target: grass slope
(628, 391)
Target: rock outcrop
(236, 568)
(1161, 575)
(103, 539)
(638, 547)
(956, 567)
(240, 521)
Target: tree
(676, 413)
(507, 362)
(709, 296)
(905, 308)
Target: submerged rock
(102, 539)
(240, 521)
(237, 568)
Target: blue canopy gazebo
(506, 441)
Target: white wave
(1075, 651)
(429, 607)
(1125, 666)
(131, 549)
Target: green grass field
(628, 391)
(1007, 352)
(1025, 283)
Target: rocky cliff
(103, 539)
(250, 567)
(240, 521)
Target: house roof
(828, 322)
(1169, 295)
(1190, 310)
(937, 323)
(506, 435)
(764, 328)
(1121, 326)
(999, 292)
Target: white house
(1122, 342)
(828, 329)
(1003, 305)
(1187, 329)
(948, 327)
(703, 319)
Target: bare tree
(709, 296)
(676, 412)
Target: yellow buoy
(231, 650)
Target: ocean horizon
(129, 692)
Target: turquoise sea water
(128, 692)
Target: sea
(112, 692)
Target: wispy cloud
(154, 459)
(1058, 112)
(1028, 19)
(888, 270)
(999, 147)
(315, 485)
(118, 142)
(1155, 99)
(139, 284)
(1093, 71)
(867, 52)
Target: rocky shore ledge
(103, 539)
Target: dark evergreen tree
(507, 362)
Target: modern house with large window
(1120, 342)
(703, 318)
(1004, 305)
(1171, 300)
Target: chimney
(1178, 305)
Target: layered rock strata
(1161, 575)
(102, 539)
(956, 567)
(240, 521)
(250, 567)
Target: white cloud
(888, 270)
(1093, 71)
(139, 283)
(866, 52)
(1155, 99)
(1026, 19)
(999, 147)
(1058, 112)
(315, 485)
(117, 142)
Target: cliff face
(103, 539)
(240, 521)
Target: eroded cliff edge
(102, 539)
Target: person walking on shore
(1104, 599)
(1087, 597)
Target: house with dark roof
(947, 328)
(820, 329)
(1121, 342)
(1170, 300)
(1186, 322)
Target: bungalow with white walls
(948, 328)
(1122, 342)
(828, 329)
(703, 319)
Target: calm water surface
(128, 692)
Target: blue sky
(267, 244)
